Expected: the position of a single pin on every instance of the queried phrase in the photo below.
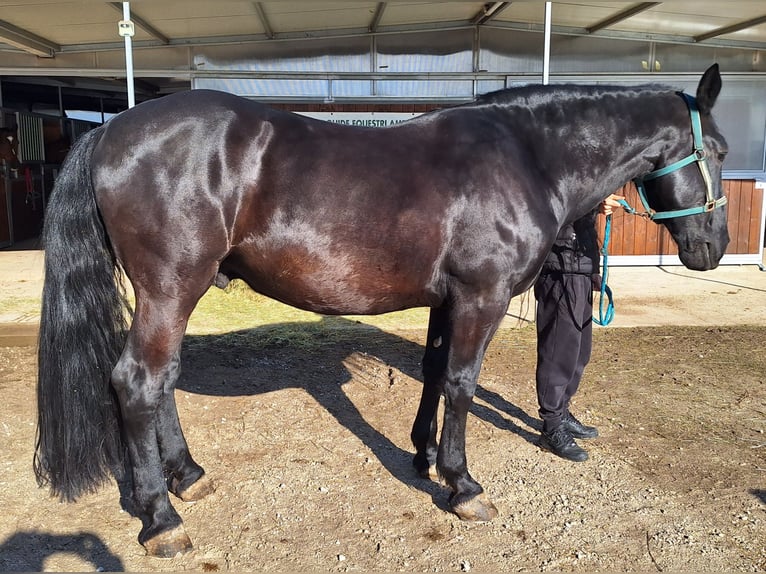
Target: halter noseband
(699, 156)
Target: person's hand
(607, 206)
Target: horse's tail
(82, 332)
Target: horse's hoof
(477, 509)
(197, 490)
(430, 473)
(168, 544)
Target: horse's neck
(8, 155)
(601, 144)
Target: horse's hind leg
(185, 478)
(144, 378)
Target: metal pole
(547, 52)
(129, 56)
(62, 112)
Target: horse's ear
(708, 89)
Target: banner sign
(366, 119)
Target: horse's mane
(540, 94)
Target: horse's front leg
(143, 378)
(472, 325)
(425, 427)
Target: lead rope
(605, 316)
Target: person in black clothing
(564, 294)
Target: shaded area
(27, 551)
(320, 358)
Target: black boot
(561, 443)
(578, 429)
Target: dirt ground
(305, 430)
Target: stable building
(373, 63)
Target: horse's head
(9, 145)
(685, 193)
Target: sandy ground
(306, 437)
(644, 296)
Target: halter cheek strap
(698, 155)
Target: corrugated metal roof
(67, 41)
(51, 27)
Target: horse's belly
(359, 284)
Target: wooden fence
(638, 241)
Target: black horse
(454, 210)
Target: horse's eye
(722, 156)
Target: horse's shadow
(27, 551)
(320, 358)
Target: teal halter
(697, 155)
(607, 314)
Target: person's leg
(559, 335)
(580, 291)
(558, 348)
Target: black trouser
(564, 337)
